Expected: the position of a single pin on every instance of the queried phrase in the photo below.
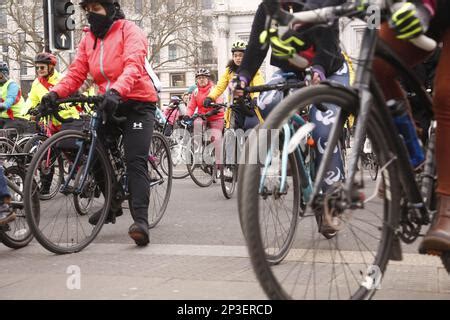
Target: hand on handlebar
(409, 21)
(48, 103)
(207, 102)
(238, 84)
(110, 102)
(2, 107)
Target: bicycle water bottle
(407, 130)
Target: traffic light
(61, 25)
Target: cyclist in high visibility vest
(12, 104)
(47, 77)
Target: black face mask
(100, 24)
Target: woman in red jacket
(215, 122)
(113, 51)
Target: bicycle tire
(17, 233)
(179, 153)
(31, 147)
(272, 286)
(194, 166)
(164, 156)
(29, 190)
(227, 183)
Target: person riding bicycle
(412, 19)
(214, 122)
(6, 214)
(47, 78)
(175, 110)
(238, 51)
(12, 104)
(319, 48)
(113, 51)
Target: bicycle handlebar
(327, 14)
(278, 86)
(95, 100)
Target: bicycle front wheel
(346, 264)
(160, 172)
(56, 223)
(201, 165)
(229, 168)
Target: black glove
(48, 103)
(2, 107)
(186, 118)
(111, 101)
(207, 102)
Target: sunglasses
(40, 67)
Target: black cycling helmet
(85, 2)
(45, 57)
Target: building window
(4, 47)
(171, 5)
(177, 80)
(3, 18)
(155, 54)
(23, 68)
(172, 51)
(138, 7)
(207, 24)
(207, 52)
(206, 4)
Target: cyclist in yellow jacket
(47, 77)
(238, 50)
(12, 104)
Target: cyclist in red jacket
(113, 51)
(215, 122)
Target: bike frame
(365, 85)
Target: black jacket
(325, 40)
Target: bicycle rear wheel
(160, 172)
(229, 168)
(17, 233)
(56, 223)
(350, 263)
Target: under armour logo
(137, 126)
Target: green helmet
(239, 46)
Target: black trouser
(137, 134)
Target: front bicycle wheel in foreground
(58, 224)
(160, 173)
(348, 264)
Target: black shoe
(111, 218)
(139, 235)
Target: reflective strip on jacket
(115, 62)
(18, 109)
(38, 90)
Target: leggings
(386, 76)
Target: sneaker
(6, 215)
(139, 235)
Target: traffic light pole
(46, 32)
